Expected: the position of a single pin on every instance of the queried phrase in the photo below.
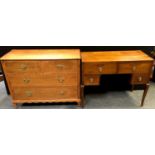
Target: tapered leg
(82, 96)
(145, 93)
(132, 87)
(1, 78)
(14, 105)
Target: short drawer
(69, 79)
(63, 66)
(140, 78)
(21, 67)
(99, 68)
(134, 67)
(91, 80)
(53, 93)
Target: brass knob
(139, 78)
(26, 81)
(60, 66)
(23, 66)
(100, 69)
(91, 80)
(62, 92)
(28, 93)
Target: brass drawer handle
(140, 78)
(100, 69)
(26, 81)
(23, 67)
(61, 80)
(59, 66)
(28, 93)
(62, 92)
(134, 68)
(91, 80)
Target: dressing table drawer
(100, 68)
(140, 78)
(134, 67)
(91, 80)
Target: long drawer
(34, 67)
(64, 79)
(48, 93)
(100, 68)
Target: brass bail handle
(26, 81)
(60, 79)
(100, 69)
(62, 92)
(139, 78)
(28, 93)
(23, 66)
(134, 68)
(91, 80)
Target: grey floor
(109, 100)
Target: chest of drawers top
(42, 54)
(115, 56)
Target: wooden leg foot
(82, 96)
(1, 78)
(132, 87)
(14, 105)
(145, 93)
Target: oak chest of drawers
(43, 75)
(136, 63)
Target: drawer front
(61, 66)
(99, 68)
(22, 67)
(91, 80)
(37, 67)
(69, 79)
(140, 78)
(134, 67)
(45, 93)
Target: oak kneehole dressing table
(136, 63)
